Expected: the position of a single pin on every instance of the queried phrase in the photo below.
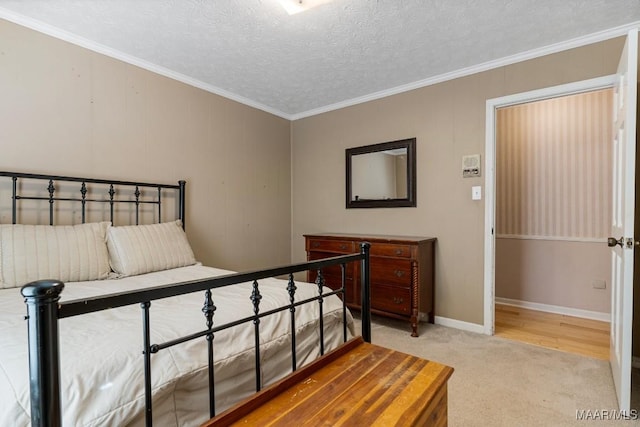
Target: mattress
(102, 375)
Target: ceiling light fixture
(296, 6)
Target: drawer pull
(399, 251)
(398, 300)
(343, 246)
(316, 244)
(399, 273)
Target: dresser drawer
(333, 280)
(338, 246)
(391, 299)
(390, 249)
(391, 271)
(332, 270)
(330, 280)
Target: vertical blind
(553, 167)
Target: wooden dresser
(402, 272)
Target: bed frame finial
(42, 299)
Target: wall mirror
(382, 175)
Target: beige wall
(448, 120)
(559, 273)
(67, 110)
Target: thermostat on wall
(471, 166)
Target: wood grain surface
(359, 384)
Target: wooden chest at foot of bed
(357, 384)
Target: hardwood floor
(565, 333)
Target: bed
(137, 332)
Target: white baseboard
(548, 308)
(459, 324)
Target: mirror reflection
(381, 175)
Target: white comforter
(102, 375)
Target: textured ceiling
(336, 53)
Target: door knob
(612, 242)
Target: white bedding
(102, 375)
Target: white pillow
(139, 249)
(70, 253)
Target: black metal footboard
(44, 311)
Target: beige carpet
(498, 382)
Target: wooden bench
(358, 384)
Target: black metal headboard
(110, 189)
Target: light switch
(476, 192)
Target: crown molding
(463, 72)
(57, 33)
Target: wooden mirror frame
(410, 200)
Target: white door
(624, 152)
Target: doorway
(623, 248)
(491, 213)
(552, 219)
